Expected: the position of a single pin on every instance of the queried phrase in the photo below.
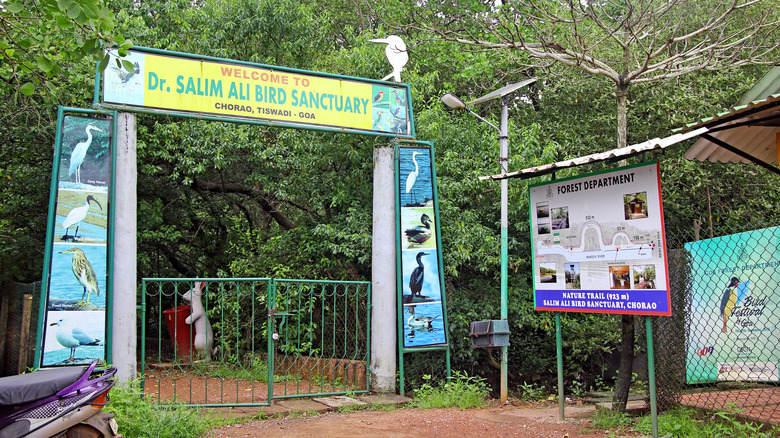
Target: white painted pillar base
(383, 274)
(124, 330)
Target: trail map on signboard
(598, 243)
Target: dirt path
(510, 421)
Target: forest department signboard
(184, 84)
(599, 244)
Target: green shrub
(688, 423)
(609, 419)
(138, 418)
(461, 391)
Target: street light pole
(503, 161)
(456, 103)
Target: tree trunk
(621, 94)
(623, 382)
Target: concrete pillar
(124, 331)
(383, 272)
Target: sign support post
(651, 375)
(123, 346)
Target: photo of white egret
(85, 153)
(73, 338)
(416, 183)
(82, 217)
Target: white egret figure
(412, 177)
(85, 274)
(396, 54)
(76, 216)
(80, 152)
(72, 337)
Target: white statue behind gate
(204, 336)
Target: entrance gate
(272, 339)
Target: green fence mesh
(718, 351)
(271, 339)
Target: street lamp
(456, 103)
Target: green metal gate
(272, 338)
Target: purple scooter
(59, 402)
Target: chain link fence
(718, 351)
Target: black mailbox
(488, 334)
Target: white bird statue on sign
(396, 54)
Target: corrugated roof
(751, 129)
(628, 151)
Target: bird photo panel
(85, 153)
(76, 270)
(418, 227)
(78, 277)
(421, 290)
(424, 325)
(390, 110)
(73, 338)
(416, 182)
(82, 217)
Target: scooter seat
(26, 388)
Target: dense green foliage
(220, 199)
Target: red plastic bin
(179, 330)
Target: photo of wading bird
(76, 216)
(80, 152)
(85, 274)
(412, 177)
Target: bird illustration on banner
(125, 75)
(398, 99)
(728, 301)
(396, 54)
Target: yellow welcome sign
(223, 89)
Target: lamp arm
(482, 119)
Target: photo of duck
(420, 233)
(424, 325)
(417, 322)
